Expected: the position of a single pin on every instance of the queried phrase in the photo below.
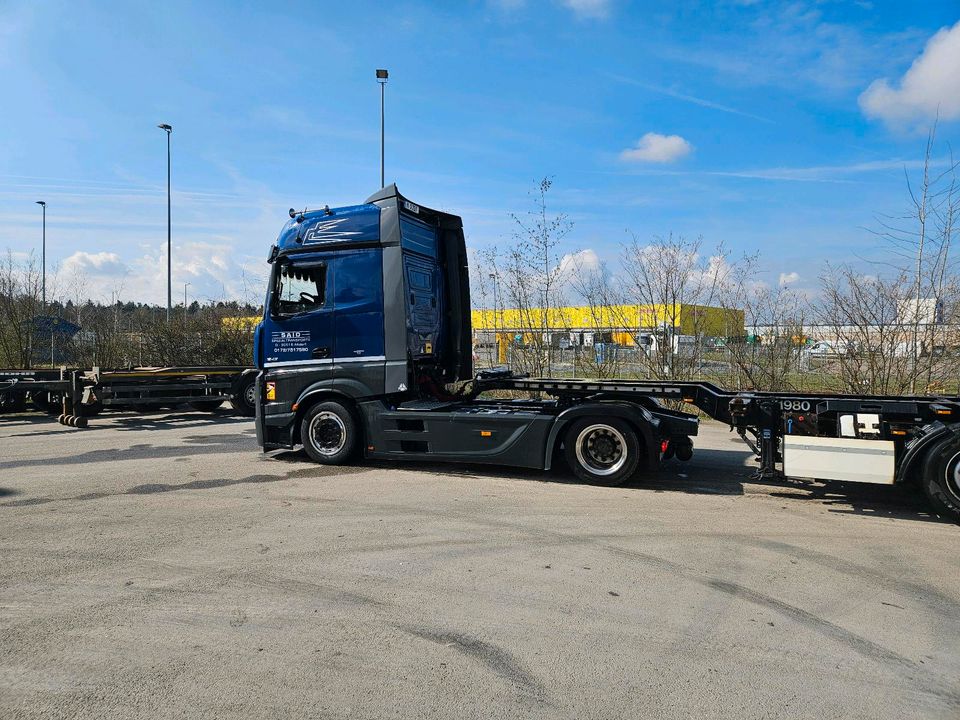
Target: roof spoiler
(384, 193)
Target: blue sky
(778, 127)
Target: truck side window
(299, 289)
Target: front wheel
(941, 477)
(329, 433)
(602, 451)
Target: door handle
(320, 353)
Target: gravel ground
(161, 567)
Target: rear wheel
(329, 433)
(941, 477)
(602, 451)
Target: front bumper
(274, 422)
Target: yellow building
(622, 321)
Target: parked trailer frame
(85, 392)
(201, 386)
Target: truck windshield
(299, 289)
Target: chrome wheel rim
(250, 395)
(953, 476)
(601, 449)
(328, 434)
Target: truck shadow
(172, 419)
(710, 472)
(880, 501)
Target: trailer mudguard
(646, 423)
(916, 449)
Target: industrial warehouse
(585, 326)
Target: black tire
(602, 451)
(205, 405)
(52, 403)
(329, 433)
(941, 477)
(91, 409)
(13, 402)
(41, 401)
(244, 400)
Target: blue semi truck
(365, 349)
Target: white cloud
(929, 87)
(578, 263)
(789, 278)
(100, 265)
(588, 8)
(657, 148)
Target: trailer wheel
(13, 402)
(602, 451)
(94, 408)
(941, 477)
(329, 433)
(41, 400)
(48, 402)
(244, 400)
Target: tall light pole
(43, 253)
(496, 315)
(185, 301)
(168, 129)
(382, 76)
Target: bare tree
(921, 242)
(674, 284)
(871, 346)
(20, 301)
(528, 275)
(770, 353)
(603, 300)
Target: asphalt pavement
(161, 567)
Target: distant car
(822, 348)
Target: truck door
(298, 328)
(358, 307)
(423, 316)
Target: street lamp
(168, 129)
(185, 301)
(382, 76)
(43, 253)
(496, 315)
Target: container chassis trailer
(76, 395)
(847, 438)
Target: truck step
(426, 405)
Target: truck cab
(366, 347)
(363, 301)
